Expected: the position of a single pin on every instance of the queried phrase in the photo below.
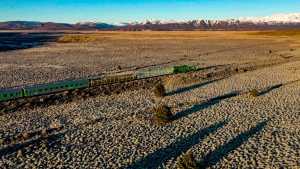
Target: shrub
(254, 93)
(160, 90)
(187, 161)
(173, 82)
(77, 39)
(184, 69)
(25, 136)
(44, 133)
(55, 125)
(163, 114)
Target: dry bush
(187, 161)
(173, 82)
(19, 153)
(44, 133)
(25, 136)
(162, 114)
(77, 39)
(254, 93)
(55, 125)
(159, 90)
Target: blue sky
(114, 11)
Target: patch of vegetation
(173, 82)
(55, 125)
(254, 93)
(44, 133)
(159, 90)
(77, 39)
(187, 161)
(294, 32)
(25, 136)
(184, 69)
(162, 114)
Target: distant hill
(28, 25)
(279, 21)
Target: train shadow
(157, 158)
(192, 87)
(215, 156)
(204, 105)
(17, 41)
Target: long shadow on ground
(16, 41)
(195, 86)
(269, 89)
(204, 105)
(215, 156)
(157, 158)
(51, 140)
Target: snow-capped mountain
(276, 18)
(276, 21)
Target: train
(66, 85)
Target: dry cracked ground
(126, 51)
(219, 121)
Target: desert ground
(46, 60)
(219, 121)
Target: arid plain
(219, 120)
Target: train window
(11, 94)
(5, 95)
(67, 85)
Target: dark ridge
(235, 25)
(15, 41)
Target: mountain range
(277, 21)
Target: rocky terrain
(45, 60)
(233, 130)
(222, 122)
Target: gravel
(56, 61)
(117, 131)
